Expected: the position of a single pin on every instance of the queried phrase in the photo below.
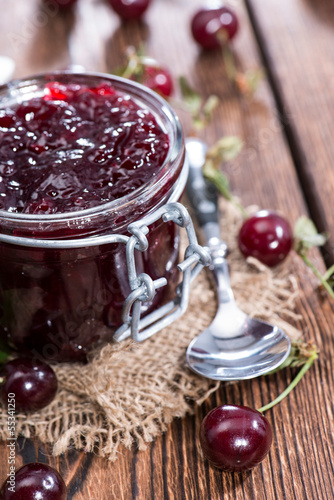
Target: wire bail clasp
(142, 286)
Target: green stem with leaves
(292, 385)
(322, 280)
(219, 181)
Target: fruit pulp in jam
(70, 148)
(76, 147)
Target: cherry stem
(240, 207)
(328, 274)
(292, 384)
(212, 174)
(229, 63)
(317, 274)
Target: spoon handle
(204, 201)
(202, 195)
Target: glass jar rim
(155, 103)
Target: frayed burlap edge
(128, 393)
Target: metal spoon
(235, 346)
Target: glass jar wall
(60, 302)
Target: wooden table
(286, 164)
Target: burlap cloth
(127, 394)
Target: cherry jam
(81, 156)
(75, 147)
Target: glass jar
(58, 303)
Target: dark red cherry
(34, 481)
(158, 79)
(33, 382)
(235, 438)
(211, 28)
(129, 9)
(266, 236)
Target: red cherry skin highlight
(235, 438)
(207, 24)
(34, 384)
(35, 481)
(266, 236)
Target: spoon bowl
(258, 351)
(235, 346)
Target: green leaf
(200, 110)
(191, 97)
(217, 178)
(135, 64)
(306, 235)
(225, 149)
(252, 79)
(209, 106)
(300, 353)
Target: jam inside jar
(81, 155)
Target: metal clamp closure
(143, 287)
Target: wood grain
(296, 43)
(293, 176)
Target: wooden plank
(297, 42)
(34, 34)
(300, 464)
